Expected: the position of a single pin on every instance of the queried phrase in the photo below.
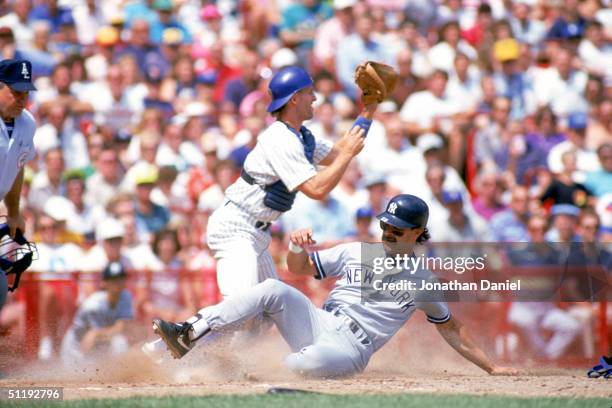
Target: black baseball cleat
(175, 335)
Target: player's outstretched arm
(344, 150)
(457, 336)
(298, 260)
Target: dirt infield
(426, 366)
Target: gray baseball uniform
(355, 321)
(95, 313)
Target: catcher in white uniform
(281, 164)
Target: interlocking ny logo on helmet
(406, 211)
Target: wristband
(363, 123)
(295, 249)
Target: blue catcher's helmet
(405, 211)
(284, 84)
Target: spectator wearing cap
(331, 32)
(487, 202)
(586, 160)
(207, 23)
(299, 22)
(51, 12)
(109, 248)
(511, 80)
(442, 55)
(107, 42)
(565, 221)
(458, 226)
(363, 220)
(511, 225)
(150, 217)
(355, 48)
(165, 19)
(56, 260)
(108, 175)
(563, 189)
(526, 28)
(100, 326)
(17, 21)
(48, 182)
(600, 181)
(248, 81)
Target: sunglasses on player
(393, 230)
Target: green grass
(337, 401)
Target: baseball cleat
(175, 335)
(603, 369)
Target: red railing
(205, 284)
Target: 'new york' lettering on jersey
(381, 313)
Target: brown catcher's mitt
(375, 80)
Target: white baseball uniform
(240, 247)
(357, 319)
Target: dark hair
(424, 237)
(165, 233)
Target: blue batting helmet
(285, 83)
(405, 211)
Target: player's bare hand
(15, 222)
(504, 371)
(302, 237)
(352, 142)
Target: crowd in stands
(146, 109)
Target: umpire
(16, 134)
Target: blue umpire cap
(285, 83)
(17, 74)
(405, 211)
